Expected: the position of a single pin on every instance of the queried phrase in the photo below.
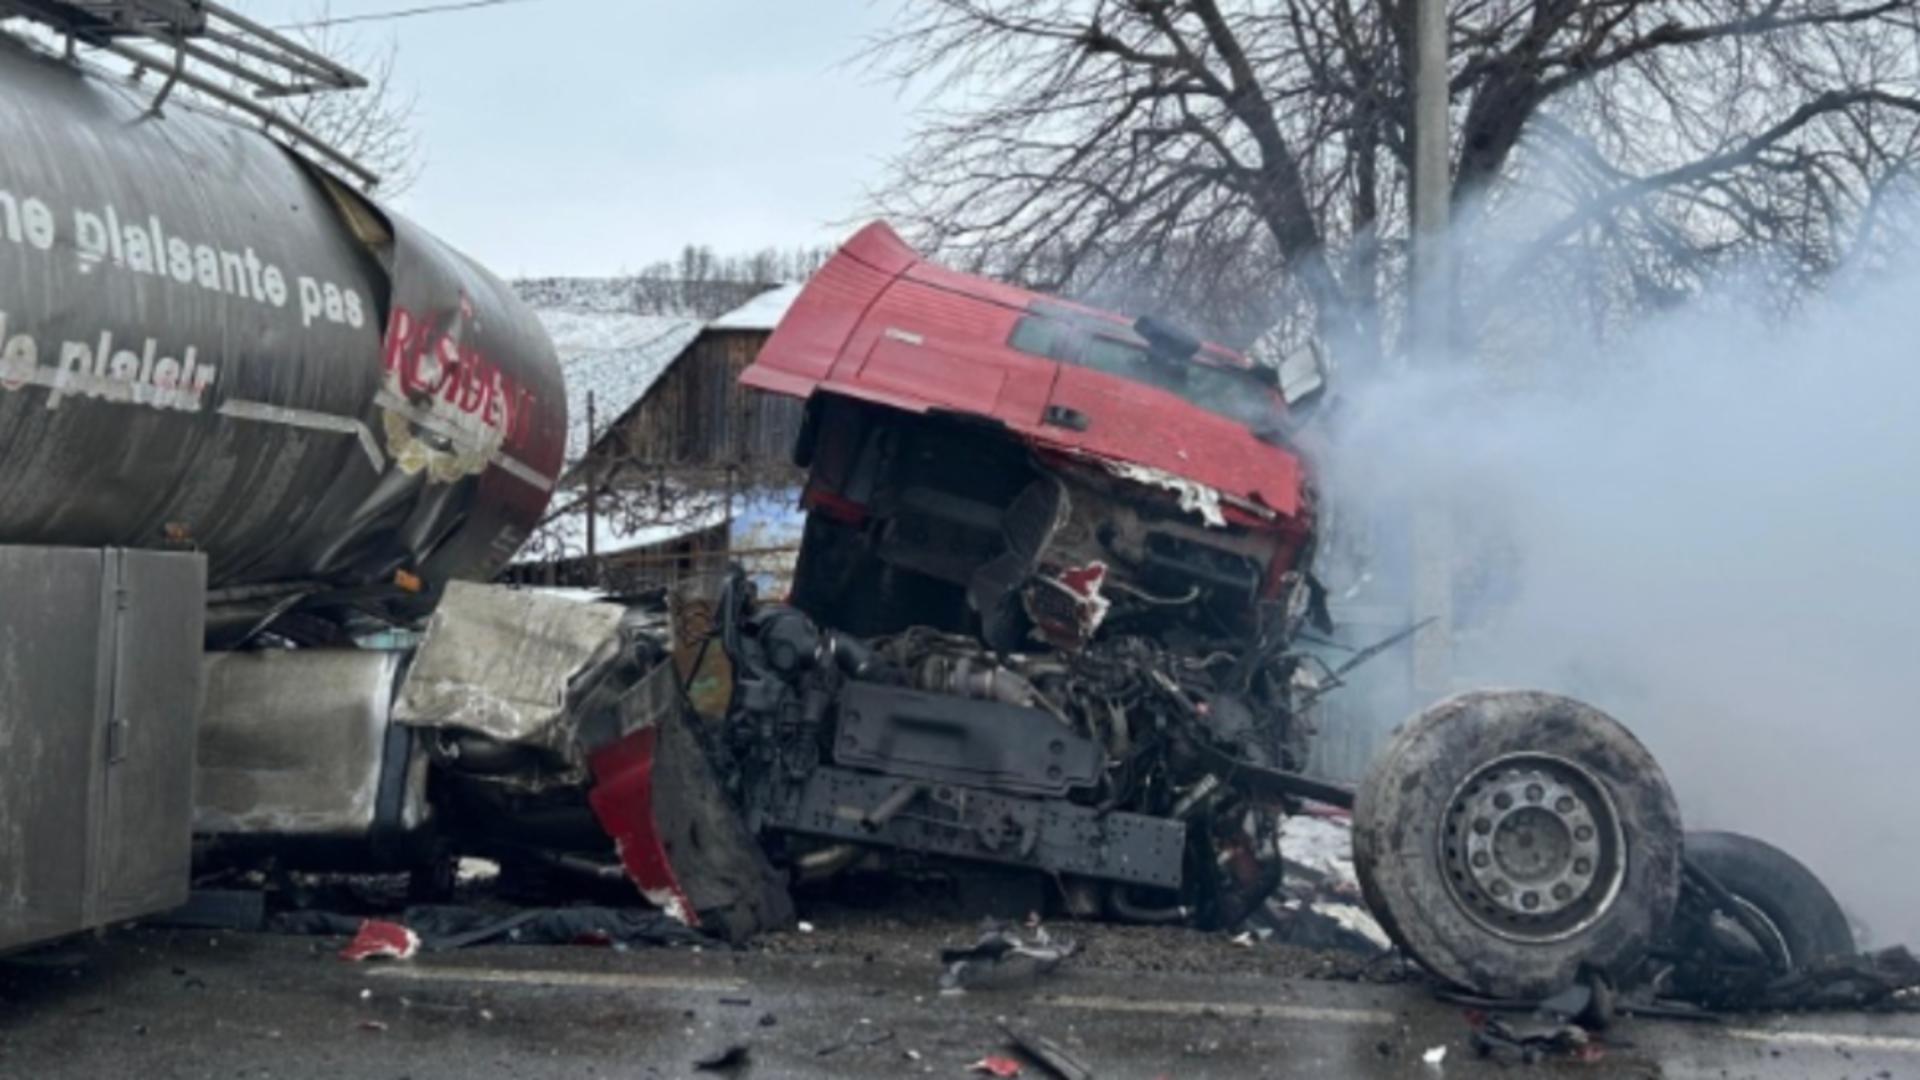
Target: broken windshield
(1235, 393)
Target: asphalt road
(155, 1005)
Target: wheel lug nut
(1482, 826)
(1535, 792)
(1583, 833)
(1481, 860)
(1564, 804)
(1499, 888)
(1530, 900)
(1561, 892)
(1502, 801)
(1583, 866)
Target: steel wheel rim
(1531, 847)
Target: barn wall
(698, 416)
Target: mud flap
(679, 838)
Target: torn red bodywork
(622, 801)
(379, 939)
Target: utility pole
(1429, 340)
(593, 488)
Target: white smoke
(1711, 529)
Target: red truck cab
(955, 421)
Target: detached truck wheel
(1804, 919)
(1506, 838)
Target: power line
(400, 13)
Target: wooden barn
(690, 471)
(696, 426)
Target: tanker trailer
(240, 404)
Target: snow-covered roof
(607, 350)
(615, 356)
(763, 312)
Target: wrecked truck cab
(1074, 548)
(987, 460)
(1076, 551)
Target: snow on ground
(1324, 845)
(565, 536)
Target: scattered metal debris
(378, 939)
(1531, 1043)
(1049, 1054)
(1562, 1025)
(1002, 959)
(443, 928)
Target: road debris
(444, 928)
(1051, 1056)
(996, 1065)
(1562, 1026)
(1530, 1043)
(1434, 1055)
(1883, 981)
(1002, 958)
(378, 939)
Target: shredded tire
(1417, 806)
(1809, 920)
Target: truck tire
(1805, 916)
(1507, 839)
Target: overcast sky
(594, 136)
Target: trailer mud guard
(680, 839)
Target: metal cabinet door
(50, 723)
(154, 614)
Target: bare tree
(375, 124)
(1244, 160)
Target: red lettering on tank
(452, 374)
(399, 330)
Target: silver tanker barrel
(207, 341)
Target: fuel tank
(207, 341)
